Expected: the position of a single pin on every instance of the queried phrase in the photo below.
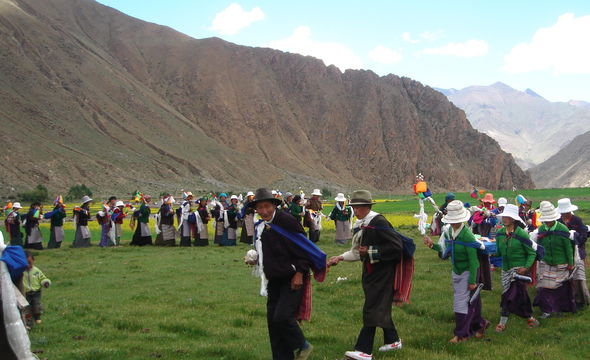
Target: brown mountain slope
(570, 167)
(98, 97)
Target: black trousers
(364, 343)
(281, 307)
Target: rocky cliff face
(95, 96)
(525, 124)
(570, 167)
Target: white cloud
(384, 55)
(470, 48)
(234, 18)
(432, 35)
(330, 52)
(562, 48)
(408, 38)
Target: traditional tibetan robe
(232, 218)
(203, 237)
(186, 226)
(56, 231)
(117, 217)
(104, 220)
(247, 234)
(142, 235)
(221, 221)
(515, 254)
(379, 266)
(554, 285)
(581, 294)
(81, 218)
(314, 221)
(167, 235)
(33, 237)
(12, 224)
(341, 216)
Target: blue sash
(314, 253)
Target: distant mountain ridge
(525, 124)
(570, 167)
(91, 95)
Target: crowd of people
(542, 247)
(184, 223)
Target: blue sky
(543, 45)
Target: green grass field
(203, 303)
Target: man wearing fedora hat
(518, 257)
(554, 286)
(456, 242)
(380, 251)
(12, 223)
(283, 267)
(579, 232)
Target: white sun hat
(548, 212)
(16, 205)
(86, 199)
(316, 192)
(565, 206)
(340, 197)
(119, 203)
(233, 197)
(502, 201)
(456, 213)
(250, 193)
(510, 211)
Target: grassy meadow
(203, 303)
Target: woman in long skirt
(81, 217)
(12, 224)
(167, 235)
(143, 235)
(219, 212)
(56, 231)
(203, 236)
(185, 225)
(573, 222)
(247, 214)
(455, 242)
(33, 237)
(518, 256)
(341, 215)
(554, 286)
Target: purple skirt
(556, 300)
(516, 300)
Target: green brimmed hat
(361, 197)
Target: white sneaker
(357, 355)
(394, 346)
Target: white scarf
(353, 253)
(259, 269)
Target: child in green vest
(33, 281)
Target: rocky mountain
(570, 167)
(525, 124)
(91, 95)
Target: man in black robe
(380, 250)
(285, 265)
